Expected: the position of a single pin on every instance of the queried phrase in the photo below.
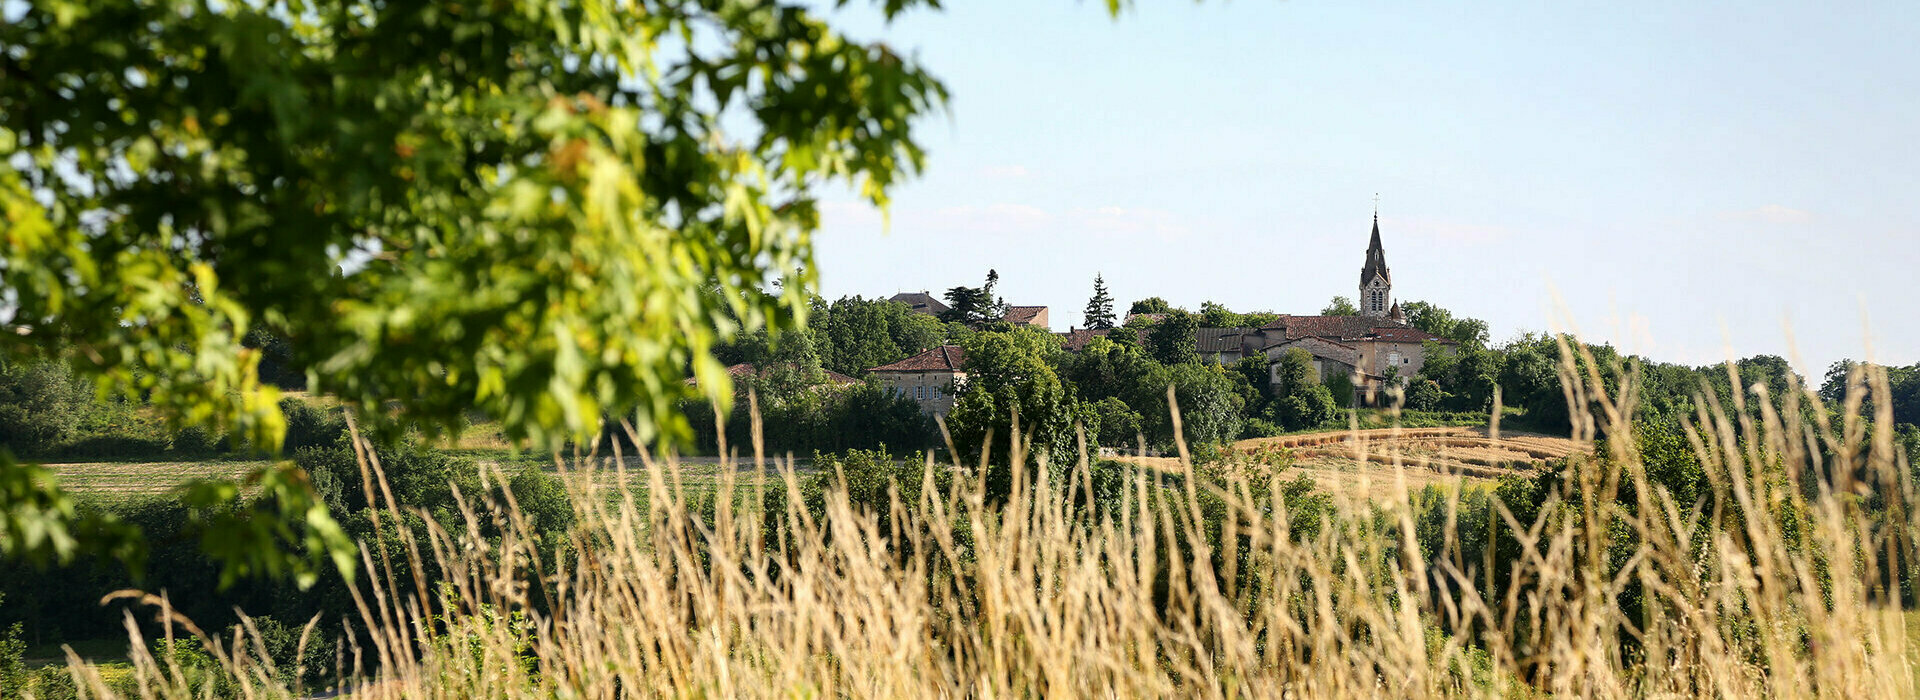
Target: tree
(1099, 314)
(1150, 305)
(1008, 373)
(1120, 425)
(975, 306)
(857, 334)
(1210, 410)
(1300, 399)
(538, 210)
(1340, 306)
(1441, 322)
(1171, 341)
(41, 404)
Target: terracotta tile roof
(946, 358)
(920, 302)
(1326, 349)
(1024, 314)
(1348, 328)
(1208, 341)
(746, 369)
(1077, 339)
(1407, 335)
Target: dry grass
(1759, 590)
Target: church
(1376, 348)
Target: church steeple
(1376, 281)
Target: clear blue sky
(1689, 177)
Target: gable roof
(1076, 339)
(920, 302)
(1024, 314)
(1408, 335)
(1323, 348)
(1346, 328)
(1208, 341)
(946, 358)
(746, 370)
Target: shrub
(1425, 395)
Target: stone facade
(928, 378)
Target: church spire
(1376, 281)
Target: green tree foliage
(1009, 372)
(1211, 410)
(1099, 315)
(1340, 306)
(975, 306)
(1120, 425)
(1300, 400)
(1171, 341)
(1150, 305)
(479, 169)
(13, 668)
(857, 334)
(41, 405)
(820, 418)
(1425, 395)
(519, 208)
(1214, 315)
(1441, 322)
(1903, 384)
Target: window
(1393, 358)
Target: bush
(308, 426)
(197, 441)
(1425, 396)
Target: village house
(921, 303)
(928, 377)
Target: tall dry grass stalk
(1782, 581)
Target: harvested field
(1364, 461)
(143, 478)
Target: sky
(1688, 181)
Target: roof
(1024, 314)
(1077, 339)
(946, 358)
(746, 369)
(1348, 328)
(921, 302)
(1407, 335)
(1376, 258)
(1326, 349)
(1215, 340)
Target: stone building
(1372, 348)
(928, 377)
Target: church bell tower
(1376, 282)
